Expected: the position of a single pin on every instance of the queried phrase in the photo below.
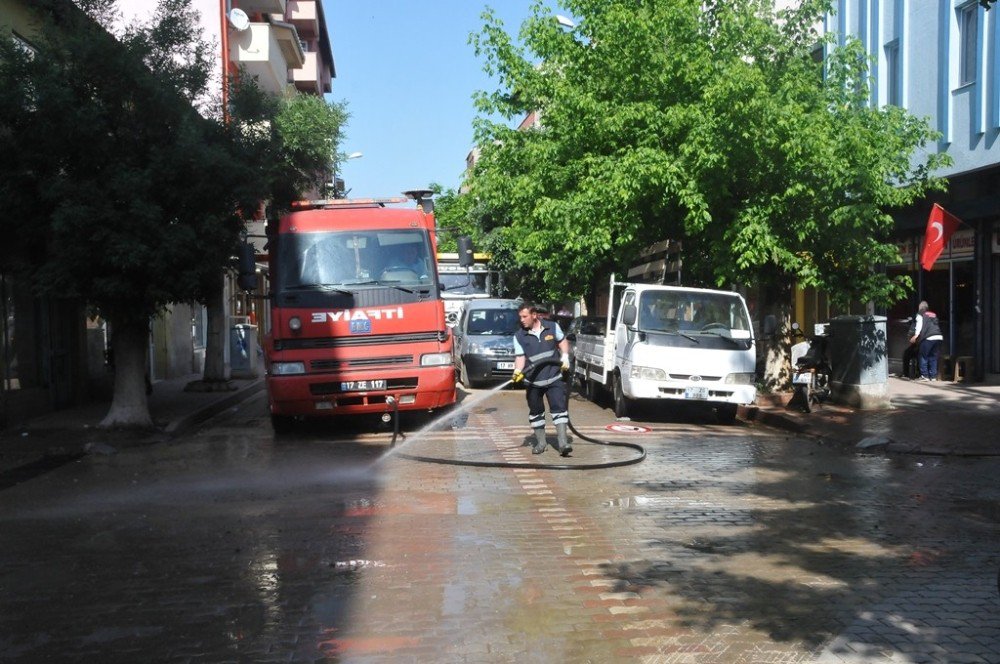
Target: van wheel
(725, 413)
(463, 375)
(282, 423)
(622, 403)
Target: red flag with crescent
(940, 225)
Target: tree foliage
(117, 191)
(707, 122)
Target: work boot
(540, 443)
(562, 440)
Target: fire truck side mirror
(465, 251)
(247, 277)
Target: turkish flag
(940, 225)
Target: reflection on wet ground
(727, 544)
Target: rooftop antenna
(423, 197)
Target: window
(893, 79)
(24, 45)
(968, 42)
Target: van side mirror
(629, 315)
(465, 251)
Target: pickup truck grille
(688, 377)
(357, 340)
(361, 363)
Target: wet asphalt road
(728, 544)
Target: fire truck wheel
(282, 423)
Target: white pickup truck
(671, 343)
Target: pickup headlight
(288, 368)
(647, 373)
(740, 378)
(435, 359)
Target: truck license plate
(362, 385)
(505, 365)
(696, 393)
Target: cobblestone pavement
(728, 544)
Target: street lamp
(565, 21)
(338, 186)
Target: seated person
(408, 260)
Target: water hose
(508, 464)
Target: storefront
(962, 288)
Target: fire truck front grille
(407, 383)
(359, 340)
(360, 363)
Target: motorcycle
(810, 370)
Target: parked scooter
(810, 370)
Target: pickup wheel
(463, 375)
(622, 403)
(725, 413)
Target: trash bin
(243, 350)
(859, 362)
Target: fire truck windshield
(354, 260)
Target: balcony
(262, 6)
(313, 76)
(304, 15)
(267, 51)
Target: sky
(407, 72)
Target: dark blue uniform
(546, 381)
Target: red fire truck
(357, 320)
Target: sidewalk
(939, 418)
(69, 433)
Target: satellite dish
(238, 19)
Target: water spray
(394, 416)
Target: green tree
(117, 191)
(706, 122)
(286, 146)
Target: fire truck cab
(357, 320)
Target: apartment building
(285, 46)
(51, 355)
(940, 59)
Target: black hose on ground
(507, 464)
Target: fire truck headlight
(288, 368)
(740, 379)
(435, 359)
(295, 323)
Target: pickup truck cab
(674, 344)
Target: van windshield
(693, 312)
(493, 322)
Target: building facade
(940, 60)
(51, 354)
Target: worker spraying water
(536, 344)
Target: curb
(185, 422)
(769, 418)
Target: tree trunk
(776, 300)
(129, 406)
(217, 334)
